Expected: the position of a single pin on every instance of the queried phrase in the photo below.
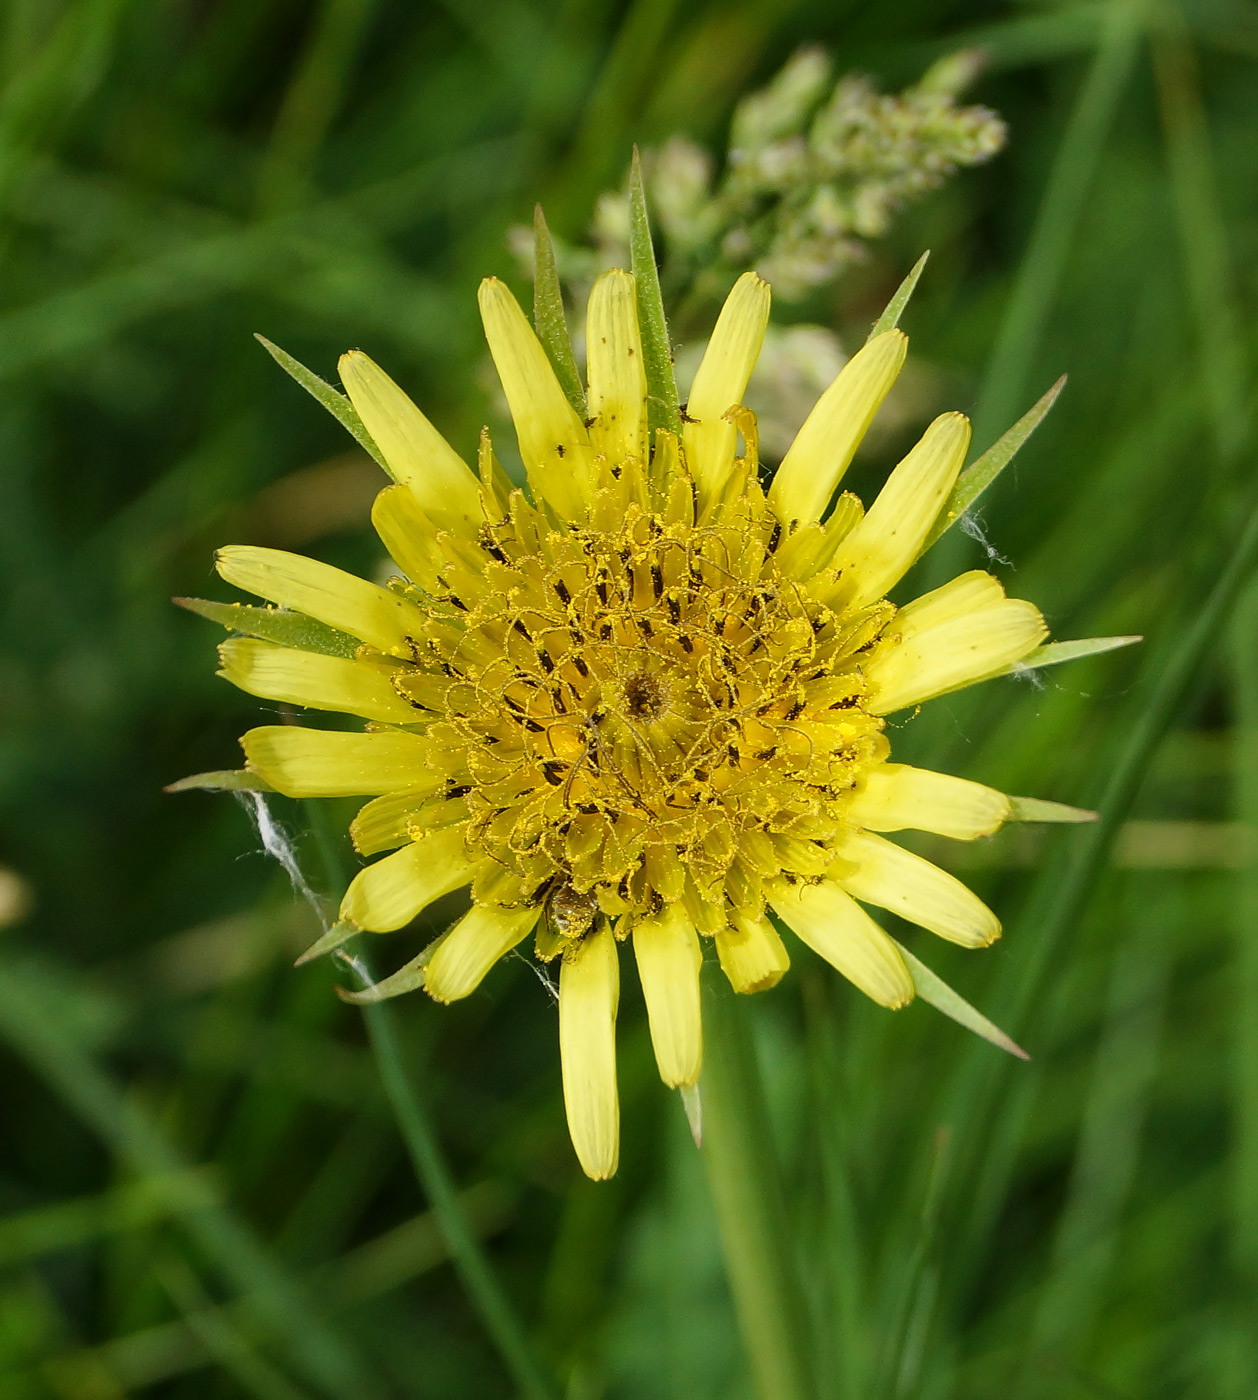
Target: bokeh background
(202, 1189)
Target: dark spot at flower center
(644, 695)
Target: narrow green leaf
(1036, 809)
(549, 319)
(1054, 653)
(225, 780)
(289, 629)
(979, 475)
(890, 318)
(336, 403)
(657, 353)
(940, 995)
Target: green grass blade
(549, 319)
(1244, 974)
(1061, 892)
(336, 403)
(657, 351)
(1040, 273)
(1203, 238)
(289, 629)
(419, 1133)
(1117, 1100)
(319, 1350)
(747, 1192)
(979, 475)
(890, 318)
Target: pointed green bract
(979, 475)
(406, 979)
(336, 404)
(334, 938)
(1054, 653)
(940, 995)
(224, 780)
(1037, 809)
(289, 629)
(890, 318)
(548, 316)
(657, 354)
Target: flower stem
(436, 1181)
(750, 1205)
(474, 1269)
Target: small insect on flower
(643, 701)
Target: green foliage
(207, 1186)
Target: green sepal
(933, 989)
(1038, 809)
(289, 629)
(657, 353)
(1054, 653)
(336, 403)
(224, 780)
(890, 318)
(406, 979)
(980, 475)
(337, 935)
(548, 316)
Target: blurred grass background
(202, 1192)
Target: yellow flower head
(642, 702)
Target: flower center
(647, 712)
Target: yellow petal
(967, 593)
(937, 644)
(391, 892)
(824, 446)
(589, 992)
(553, 441)
(617, 378)
(323, 763)
(383, 823)
(892, 878)
(482, 936)
(667, 950)
(408, 534)
(720, 382)
(895, 797)
(875, 556)
(752, 955)
(420, 458)
(329, 595)
(319, 682)
(838, 929)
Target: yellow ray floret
(751, 953)
(442, 483)
(318, 763)
(589, 993)
(617, 397)
(642, 702)
(825, 445)
(553, 441)
(669, 958)
(720, 382)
